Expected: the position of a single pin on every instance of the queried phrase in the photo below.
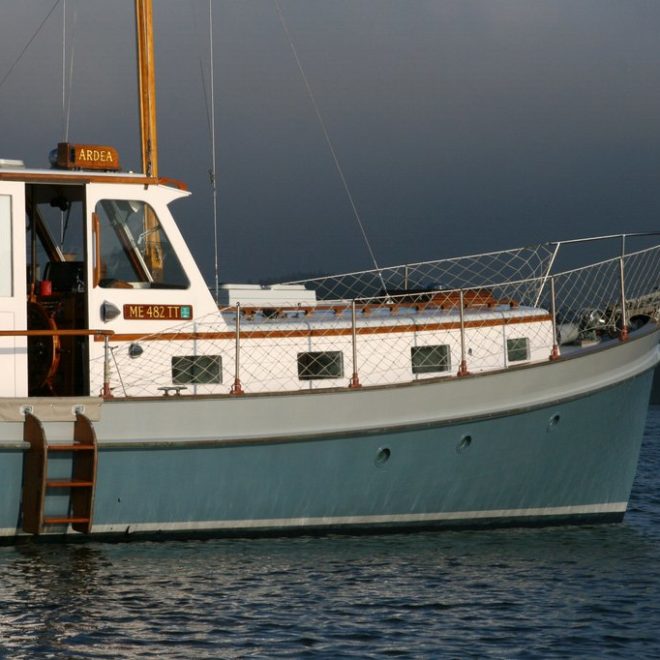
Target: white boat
(483, 390)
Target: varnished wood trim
(174, 183)
(96, 232)
(319, 332)
(444, 302)
(82, 178)
(57, 333)
(34, 475)
(146, 86)
(84, 471)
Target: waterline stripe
(328, 521)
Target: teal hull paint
(522, 461)
(11, 478)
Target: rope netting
(588, 299)
(393, 338)
(527, 263)
(642, 284)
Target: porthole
(464, 444)
(553, 421)
(135, 350)
(382, 456)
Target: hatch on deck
(9, 164)
(273, 295)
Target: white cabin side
(13, 310)
(311, 350)
(123, 300)
(99, 294)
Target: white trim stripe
(328, 521)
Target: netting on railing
(588, 299)
(528, 263)
(395, 338)
(642, 284)
(402, 339)
(583, 298)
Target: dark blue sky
(461, 125)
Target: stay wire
(64, 64)
(212, 171)
(29, 43)
(70, 78)
(329, 142)
(209, 108)
(66, 97)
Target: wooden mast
(147, 86)
(153, 254)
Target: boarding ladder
(72, 470)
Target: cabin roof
(322, 315)
(84, 176)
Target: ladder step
(76, 447)
(69, 483)
(63, 520)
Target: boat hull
(567, 452)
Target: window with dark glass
(196, 369)
(320, 364)
(517, 349)
(134, 249)
(430, 359)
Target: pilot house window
(134, 249)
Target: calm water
(559, 592)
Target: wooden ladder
(81, 485)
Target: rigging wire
(70, 75)
(28, 44)
(212, 170)
(64, 64)
(328, 140)
(209, 107)
(62, 222)
(66, 98)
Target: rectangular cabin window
(6, 288)
(320, 364)
(135, 252)
(517, 349)
(196, 369)
(430, 359)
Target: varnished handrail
(96, 233)
(56, 333)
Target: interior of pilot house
(56, 289)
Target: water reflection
(534, 592)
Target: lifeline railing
(403, 335)
(56, 333)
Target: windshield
(135, 251)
